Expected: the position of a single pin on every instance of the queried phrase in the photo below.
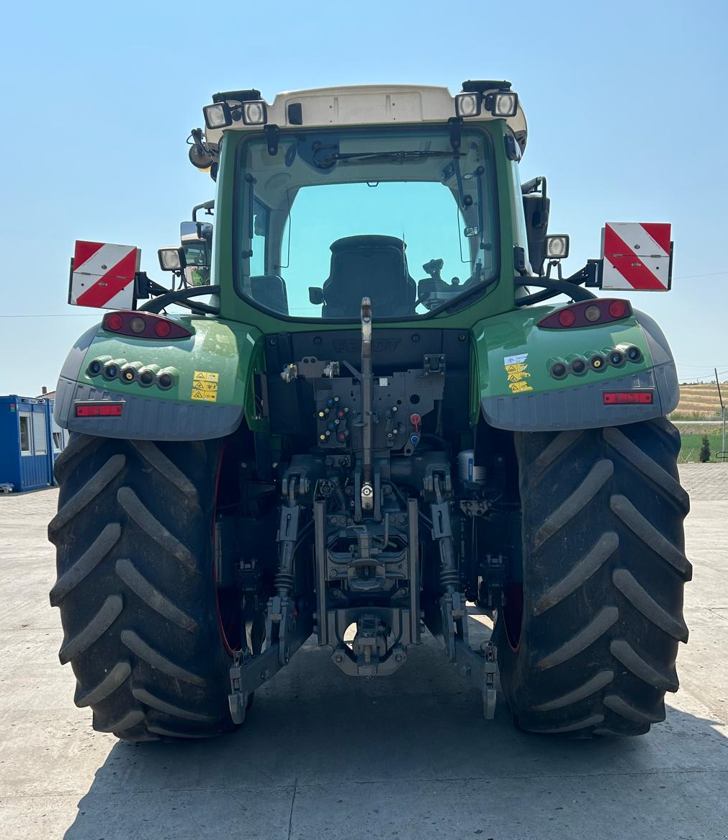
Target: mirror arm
(181, 297)
(570, 287)
(207, 206)
(145, 287)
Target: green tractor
(336, 443)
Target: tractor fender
(515, 357)
(211, 393)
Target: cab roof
(364, 105)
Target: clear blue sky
(625, 103)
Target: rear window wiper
(400, 156)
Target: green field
(691, 441)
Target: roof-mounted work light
(502, 104)
(217, 115)
(255, 112)
(468, 104)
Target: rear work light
(99, 409)
(627, 397)
(143, 325)
(587, 313)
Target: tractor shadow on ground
(319, 740)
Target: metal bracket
(250, 672)
(481, 667)
(490, 669)
(434, 365)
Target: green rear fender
(212, 388)
(516, 389)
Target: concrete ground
(324, 756)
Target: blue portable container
(29, 442)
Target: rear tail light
(143, 325)
(566, 318)
(587, 314)
(99, 409)
(627, 397)
(617, 308)
(113, 322)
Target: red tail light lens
(113, 322)
(143, 325)
(587, 313)
(627, 397)
(566, 317)
(99, 409)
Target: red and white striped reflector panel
(103, 275)
(637, 256)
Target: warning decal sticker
(204, 386)
(517, 373)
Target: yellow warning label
(204, 386)
(205, 376)
(204, 396)
(518, 387)
(516, 375)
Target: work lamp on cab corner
(502, 104)
(255, 112)
(218, 115)
(254, 471)
(468, 104)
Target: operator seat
(369, 266)
(270, 290)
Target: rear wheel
(136, 586)
(588, 646)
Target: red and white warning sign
(637, 256)
(103, 275)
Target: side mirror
(197, 275)
(171, 259)
(536, 208)
(316, 295)
(188, 230)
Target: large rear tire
(589, 644)
(136, 589)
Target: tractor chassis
(291, 623)
(365, 536)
